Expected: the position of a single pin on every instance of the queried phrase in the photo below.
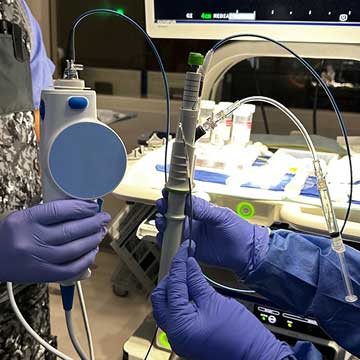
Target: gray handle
(182, 162)
(174, 231)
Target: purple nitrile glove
(202, 324)
(52, 242)
(222, 238)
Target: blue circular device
(87, 160)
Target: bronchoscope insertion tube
(325, 198)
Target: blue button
(78, 102)
(42, 110)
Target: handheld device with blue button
(80, 157)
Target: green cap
(196, 59)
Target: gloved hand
(203, 325)
(222, 238)
(52, 242)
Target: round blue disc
(87, 160)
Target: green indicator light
(120, 11)
(164, 341)
(206, 16)
(263, 318)
(290, 325)
(245, 210)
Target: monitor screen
(306, 20)
(229, 11)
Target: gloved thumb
(199, 288)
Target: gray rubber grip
(178, 184)
(174, 231)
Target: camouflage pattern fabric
(20, 187)
(14, 13)
(15, 342)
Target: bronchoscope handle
(181, 169)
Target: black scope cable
(71, 55)
(316, 101)
(259, 92)
(152, 343)
(327, 90)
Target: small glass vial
(221, 135)
(227, 124)
(206, 110)
(242, 124)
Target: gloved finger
(191, 247)
(205, 211)
(165, 194)
(56, 212)
(75, 268)
(159, 239)
(162, 206)
(73, 250)
(160, 222)
(177, 284)
(159, 302)
(73, 230)
(199, 289)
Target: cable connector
(67, 296)
(207, 62)
(72, 70)
(200, 132)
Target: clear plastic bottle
(221, 134)
(242, 124)
(206, 110)
(227, 124)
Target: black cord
(152, 343)
(71, 54)
(316, 100)
(262, 107)
(212, 92)
(328, 92)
